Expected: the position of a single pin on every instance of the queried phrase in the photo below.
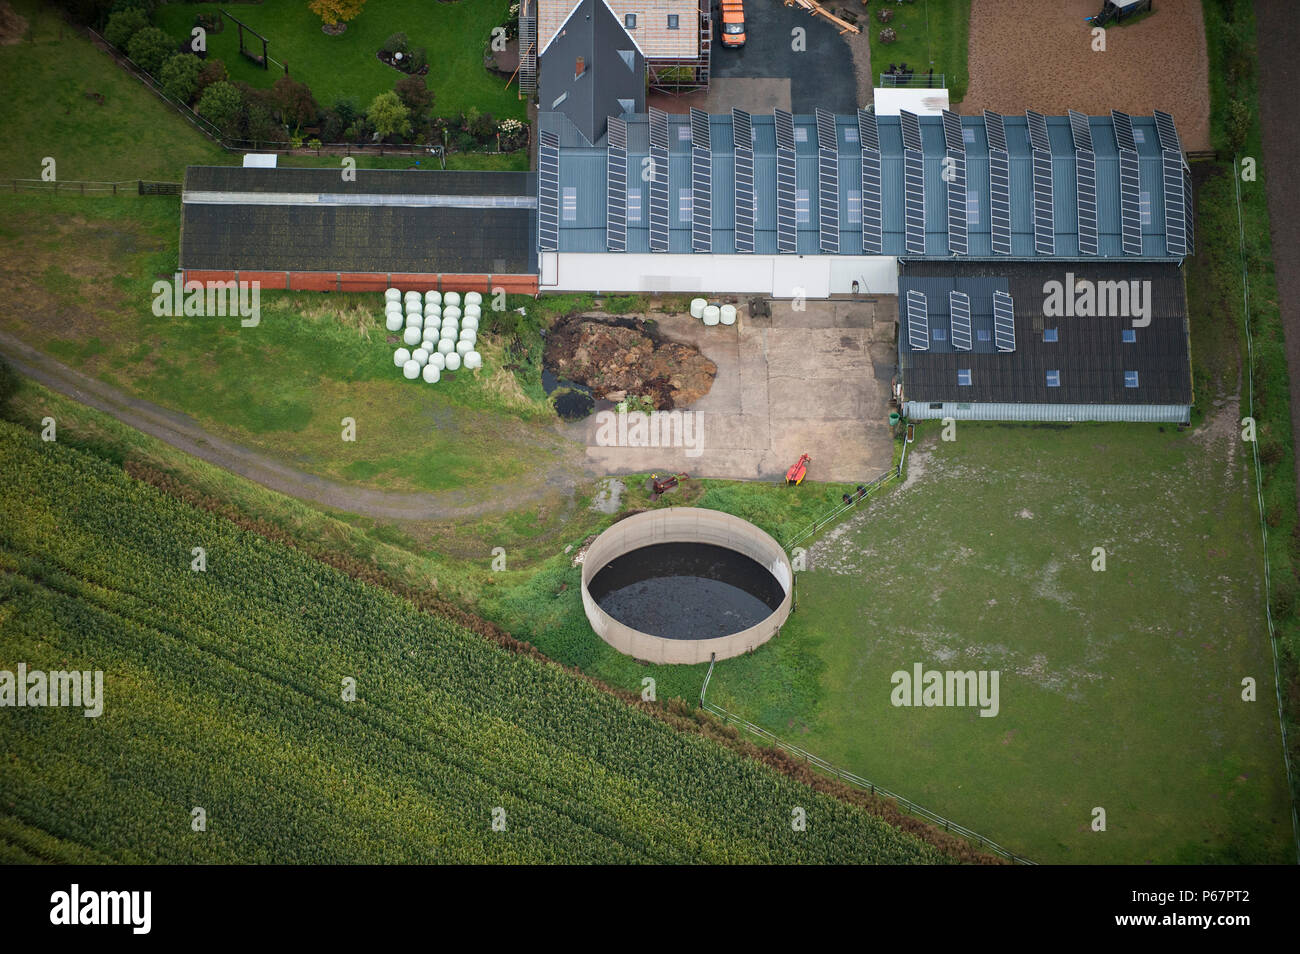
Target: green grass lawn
(1119, 689)
(346, 67)
(931, 34)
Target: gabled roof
(582, 168)
(385, 221)
(653, 37)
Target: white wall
(781, 276)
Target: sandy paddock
(1038, 55)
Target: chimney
(577, 70)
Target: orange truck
(733, 22)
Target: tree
(124, 25)
(150, 48)
(334, 12)
(214, 71)
(337, 120)
(295, 102)
(180, 76)
(389, 116)
(415, 95)
(223, 106)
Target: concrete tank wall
(685, 525)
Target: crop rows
(223, 691)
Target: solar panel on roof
(1191, 214)
(701, 199)
(742, 128)
(959, 310)
(699, 128)
(744, 184)
(1004, 322)
(1000, 200)
(617, 132)
(784, 129)
(826, 129)
(1080, 130)
(786, 225)
(548, 192)
(952, 137)
(1123, 130)
(658, 198)
(1130, 213)
(658, 128)
(868, 133)
(828, 199)
(872, 225)
(616, 201)
(1038, 140)
(918, 321)
(1044, 226)
(995, 130)
(914, 201)
(956, 182)
(1168, 133)
(911, 127)
(1175, 212)
(1085, 184)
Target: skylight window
(972, 208)
(801, 205)
(629, 21)
(1053, 379)
(855, 207)
(684, 204)
(1130, 379)
(672, 21)
(633, 205)
(963, 377)
(1049, 334)
(1129, 335)
(570, 204)
(982, 334)
(939, 334)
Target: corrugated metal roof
(582, 168)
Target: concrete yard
(814, 381)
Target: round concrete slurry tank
(685, 525)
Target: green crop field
(224, 690)
(346, 67)
(1119, 689)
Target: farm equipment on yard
(661, 485)
(733, 22)
(1118, 11)
(795, 475)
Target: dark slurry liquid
(686, 590)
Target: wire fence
(1259, 496)
(857, 781)
(909, 79)
(865, 491)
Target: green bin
(894, 418)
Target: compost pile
(623, 356)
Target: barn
(314, 229)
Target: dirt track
(1038, 56)
(185, 434)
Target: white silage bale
(401, 356)
(451, 298)
(463, 348)
(412, 336)
(420, 356)
(438, 360)
(446, 346)
(473, 360)
(411, 370)
(393, 321)
(453, 361)
(432, 373)
(473, 298)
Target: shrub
(415, 95)
(1238, 124)
(213, 71)
(295, 102)
(336, 120)
(418, 60)
(397, 43)
(124, 25)
(884, 16)
(388, 116)
(150, 48)
(9, 383)
(222, 105)
(887, 35)
(259, 123)
(180, 76)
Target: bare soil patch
(1039, 56)
(12, 26)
